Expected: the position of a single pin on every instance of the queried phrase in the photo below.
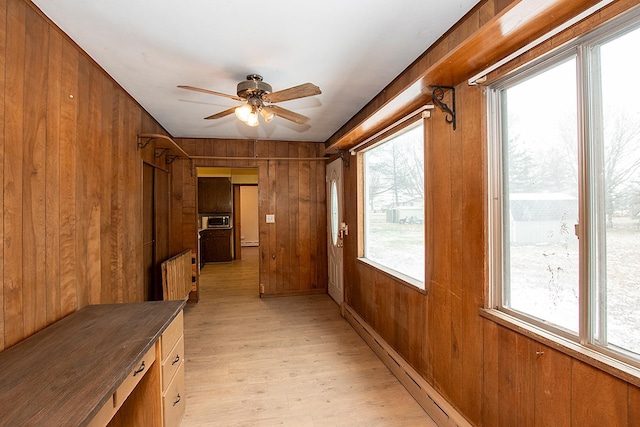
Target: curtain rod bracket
(438, 95)
(346, 158)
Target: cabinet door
(214, 195)
(216, 246)
(223, 245)
(208, 246)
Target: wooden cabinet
(172, 355)
(100, 365)
(214, 195)
(215, 245)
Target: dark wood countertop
(65, 373)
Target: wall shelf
(519, 27)
(163, 146)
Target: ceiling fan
(259, 99)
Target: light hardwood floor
(290, 361)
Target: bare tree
(621, 162)
(396, 168)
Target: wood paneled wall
(70, 176)
(293, 250)
(493, 375)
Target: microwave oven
(219, 221)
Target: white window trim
(395, 274)
(405, 125)
(578, 347)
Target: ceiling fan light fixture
(252, 120)
(243, 112)
(256, 93)
(267, 115)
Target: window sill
(617, 368)
(393, 274)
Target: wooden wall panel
(34, 154)
(117, 176)
(52, 185)
(305, 209)
(597, 399)
(490, 368)
(68, 143)
(13, 171)
(293, 249)
(70, 169)
(105, 198)
(293, 216)
(634, 406)
(471, 256)
(3, 42)
(552, 391)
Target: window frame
(583, 346)
(404, 125)
(496, 163)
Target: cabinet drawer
(174, 399)
(172, 362)
(134, 376)
(105, 414)
(171, 336)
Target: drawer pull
(176, 360)
(140, 369)
(177, 400)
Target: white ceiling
(351, 49)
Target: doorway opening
(227, 213)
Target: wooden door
(155, 228)
(335, 230)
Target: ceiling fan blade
(287, 114)
(210, 92)
(300, 91)
(221, 114)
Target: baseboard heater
(431, 401)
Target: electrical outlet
(271, 218)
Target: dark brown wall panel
(293, 256)
(70, 171)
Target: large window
(394, 204)
(565, 168)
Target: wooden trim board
(431, 401)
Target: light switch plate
(271, 218)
